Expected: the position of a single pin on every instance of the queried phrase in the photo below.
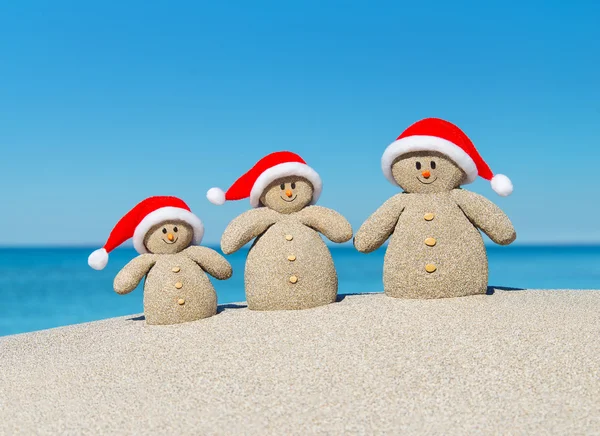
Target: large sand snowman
(167, 235)
(435, 249)
(288, 266)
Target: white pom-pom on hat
(216, 196)
(98, 259)
(502, 185)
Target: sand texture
(176, 288)
(173, 280)
(515, 362)
(289, 267)
(435, 251)
(273, 282)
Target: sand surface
(515, 362)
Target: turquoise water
(48, 287)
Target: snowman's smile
(290, 200)
(427, 182)
(170, 242)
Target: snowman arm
(246, 227)
(330, 223)
(210, 261)
(133, 273)
(486, 216)
(379, 226)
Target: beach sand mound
(515, 362)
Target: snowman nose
(170, 236)
(289, 193)
(426, 174)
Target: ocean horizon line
(346, 245)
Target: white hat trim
(284, 170)
(427, 143)
(162, 215)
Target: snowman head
(281, 181)
(160, 224)
(288, 194)
(448, 147)
(427, 172)
(169, 237)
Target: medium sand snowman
(435, 249)
(288, 266)
(166, 234)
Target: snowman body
(177, 290)
(434, 251)
(171, 262)
(289, 267)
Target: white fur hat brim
(162, 215)
(285, 170)
(427, 143)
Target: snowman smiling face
(426, 173)
(288, 194)
(169, 237)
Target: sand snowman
(288, 266)
(166, 234)
(436, 249)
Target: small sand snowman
(288, 266)
(166, 234)
(435, 249)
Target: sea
(42, 288)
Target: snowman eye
(432, 165)
(418, 165)
(164, 230)
(282, 186)
(293, 186)
(175, 229)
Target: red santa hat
(434, 134)
(139, 220)
(270, 168)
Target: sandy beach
(515, 362)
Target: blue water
(48, 287)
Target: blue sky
(105, 103)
